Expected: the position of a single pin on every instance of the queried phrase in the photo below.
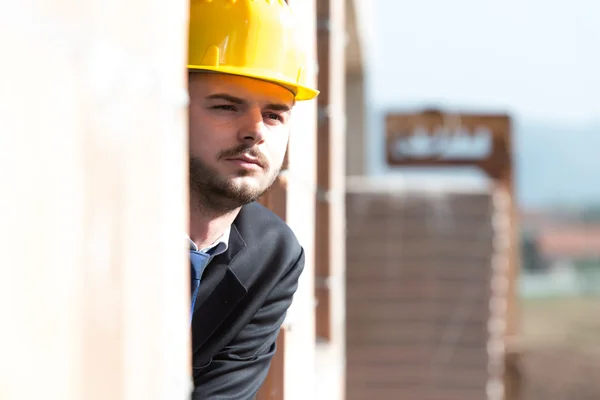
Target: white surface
(93, 291)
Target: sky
(538, 60)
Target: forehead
(204, 84)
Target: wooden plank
(273, 387)
(323, 313)
(94, 282)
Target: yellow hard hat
(252, 38)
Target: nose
(252, 129)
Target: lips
(247, 159)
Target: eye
(224, 107)
(274, 117)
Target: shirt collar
(218, 247)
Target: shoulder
(262, 229)
(255, 222)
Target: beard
(217, 194)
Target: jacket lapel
(213, 306)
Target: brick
(417, 295)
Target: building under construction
(408, 291)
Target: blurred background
(531, 61)
(442, 185)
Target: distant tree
(530, 255)
(588, 271)
(590, 213)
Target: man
(245, 75)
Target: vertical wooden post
(273, 387)
(93, 277)
(290, 198)
(329, 212)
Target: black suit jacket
(243, 299)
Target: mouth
(246, 162)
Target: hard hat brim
(300, 92)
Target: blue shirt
(199, 259)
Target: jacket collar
(215, 306)
(220, 246)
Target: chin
(247, 183)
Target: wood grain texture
(93, 277)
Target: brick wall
(418, 290)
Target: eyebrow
(226, 97)
(236, 100)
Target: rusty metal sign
(434, 138)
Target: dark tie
(198, 262)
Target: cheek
(195, 130)
(201, 144)
(204, 135)
(196, 140)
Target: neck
(207, 227)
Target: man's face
(238, 134)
